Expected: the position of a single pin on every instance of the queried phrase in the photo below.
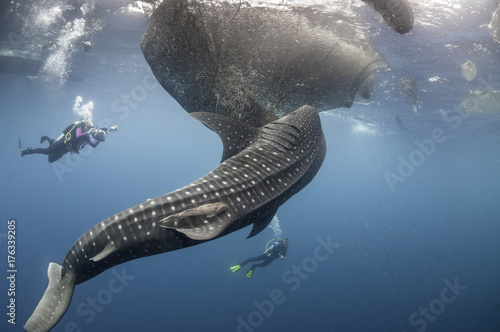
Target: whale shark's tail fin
(55, 301)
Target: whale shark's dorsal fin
(235, 135)
(260, 226)
(108, 249)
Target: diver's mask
(99, 135)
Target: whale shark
(261, 168)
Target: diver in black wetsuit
(278, 249)
(73, 139)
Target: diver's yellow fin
(235, 268)
(249, 273)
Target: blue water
(396, 248)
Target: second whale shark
(261, 169)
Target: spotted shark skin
(261, 169)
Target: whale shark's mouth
(369, 76)
(255, 63)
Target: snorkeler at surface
(278, 249)
(73, 139)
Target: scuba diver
(278, 249)
(73, 139)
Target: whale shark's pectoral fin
(108, 249)
(235, 135)
(196, 223)
(259, 227)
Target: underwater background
(408, 194)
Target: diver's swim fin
(46, 138)
(25, 151)
(235, 268)
(249, 273)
